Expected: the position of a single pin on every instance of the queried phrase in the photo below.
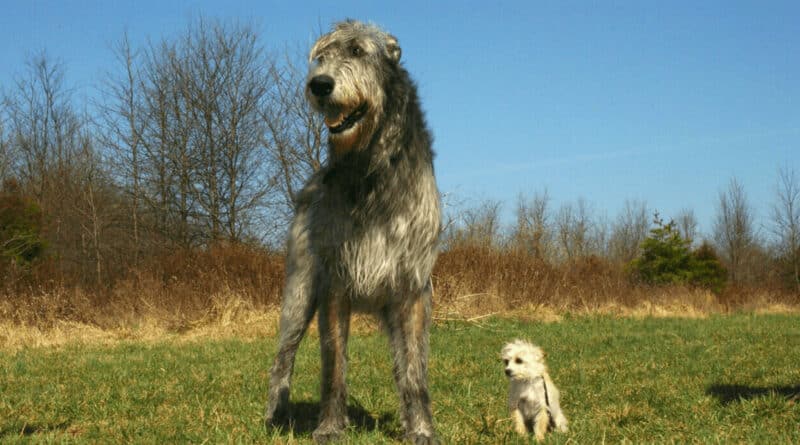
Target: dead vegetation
(234, 290)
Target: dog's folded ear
(393, 48)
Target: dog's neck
(527, 380)
(389, 156)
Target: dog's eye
(505, 362)
(356, 51)
(518, 361)
(320, 59)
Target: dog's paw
(275, 416)
(327, 433)
(562, 424)
(277, 410)
(422, 439)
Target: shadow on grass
(303, 419)
(30, 430)
(728, 394)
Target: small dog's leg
(559, 419)
(334, 324)
(540, 423)
(519, 422)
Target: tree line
(202, 139)
(753, 253)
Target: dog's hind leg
(408, 324)
(334, 324)
(554, 397)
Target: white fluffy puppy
(533, 397)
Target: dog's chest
(375, 247)
(529, 396)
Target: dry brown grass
(234, 291)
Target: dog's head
(523, 360)
(347, 81)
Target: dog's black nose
(508, 372)
(321, 85)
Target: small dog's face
(523, 360)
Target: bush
(667, 259)
(20, 226)
(706, 269)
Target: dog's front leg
(334, 324)
(298, 306)
(541, 422)
(519, 422)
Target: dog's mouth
(344, 122)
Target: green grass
(719, 380)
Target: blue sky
(657, 101)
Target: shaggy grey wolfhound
(364, 236)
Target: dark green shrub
(706, 270)
(667, 258)
(20, 226)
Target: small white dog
(533, 397)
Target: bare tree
(629, 230)
(294, 138)
(734, 231)
(237, 112)
(600, 236)
(121, 132)
(573, 229)
(6, 156)
(533, 232)
(187, 117)
(93, 208)
(223, 76)
(687, 225)
(478, 226)
(786, 221)
(46, 134)
(60, 168)
(44, 126)
(165, 161)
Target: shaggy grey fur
(364, 236)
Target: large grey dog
(364, 236)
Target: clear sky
(662, 101)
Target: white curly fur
(533, 398)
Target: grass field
(721, 379)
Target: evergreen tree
(667, 258)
